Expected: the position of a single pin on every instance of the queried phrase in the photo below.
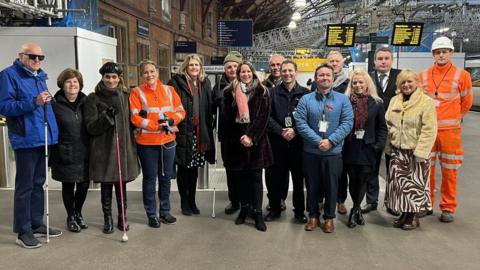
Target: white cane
(45, 109)
(215, 138)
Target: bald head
(29, 51)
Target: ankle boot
(242, 215)
(259, 222)
(106, 197)
(72, 224)
(359, 217)
(351, 218)
(398, 223)
(186, 210)
(193, 204)
(80, 221)
(411, 222)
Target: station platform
(202, 242)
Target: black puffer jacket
(185, 134)
(218, 103)
(69, 158)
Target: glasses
(35, 56)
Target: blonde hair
(183, 68)
(404, 75)
(371, 88)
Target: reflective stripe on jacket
(157, 103)
(451, 88)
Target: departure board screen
(407, 33)
(341, 35)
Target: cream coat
(412, 124)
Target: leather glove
(143, 114)
(167, 120)
(111, 111)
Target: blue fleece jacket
(19, 89)
(337, 111)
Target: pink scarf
(241, 99)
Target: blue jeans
(157, 161)
(28, 199)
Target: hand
(111, 111)
(143, 114)
(43, 97)
(167, 121)
(246, 141)
(324, 145)
(420, 160)
(288, 134)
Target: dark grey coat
(101, 127)
(69, 158)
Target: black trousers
(343, 186)
(250, 187)
(73, 199)
(287, 160)
(358, 176)
(373, 187)
(187, 186)
(233, 193)
(322, 174)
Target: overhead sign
(234, 33)
(341, 35)
(217, 60)
(407, 33)
(308, 64)
(302, 51)
(143, 28)
(185, 46)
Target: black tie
(381, 79)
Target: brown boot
(312, 224)
(328, 226)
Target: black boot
(186, 210)
(80, 221)
(120, 222)
(398, 223)
(411, 222)
(106, 197)
(259, 222)
(72, 224)
(359, 217)
(193, 204)
(242, 215)
(351, 218)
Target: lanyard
(443, 78)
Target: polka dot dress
(198, 159)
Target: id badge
(322, 126)
(436, 102)
(359, 133)
(288, 122)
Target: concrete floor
(205, 243)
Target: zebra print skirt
(408, 183)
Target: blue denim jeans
(157, 161)
(28, 199)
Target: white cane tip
(124, 238)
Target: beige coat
(412, 124)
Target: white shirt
(384, 82)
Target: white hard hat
(442, 43)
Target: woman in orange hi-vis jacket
(156, 110)
(451, 89)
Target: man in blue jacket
(23, 100)
(324, 118)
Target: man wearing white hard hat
(451, 89)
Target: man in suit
(385, 78)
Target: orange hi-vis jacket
(157, 103)
(451, 89)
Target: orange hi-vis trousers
(448, 150)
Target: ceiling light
(296, 16)
(300, 4)
(292, 25)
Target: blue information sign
(185, 46)
(234, 33)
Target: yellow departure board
(407, 33)
(341, 35)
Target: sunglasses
(35, 56)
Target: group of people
(330, 137)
